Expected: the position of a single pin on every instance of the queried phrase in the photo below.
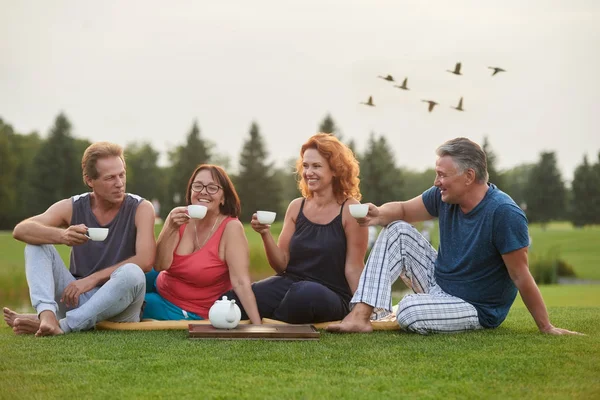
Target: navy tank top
(119, 245)
(318, 253)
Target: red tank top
(195, 281)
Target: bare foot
(10, 316)
(25, 326)
(47, 329)
(47, 325)
(355, 322)
(350, 327)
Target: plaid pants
(402, 252)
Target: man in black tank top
(106, 278)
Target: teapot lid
(224, 299)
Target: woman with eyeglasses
(200, 260)
(321, 249)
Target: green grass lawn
(579, 247)
(513, 361)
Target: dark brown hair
(232, 205)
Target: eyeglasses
(211, 188)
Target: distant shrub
(543, 269)
(546, 268)
(564, 268)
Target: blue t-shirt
(469, 264)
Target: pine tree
(415, 183)
(143, 173)
(595, 198)
(25, 147)
(222, 160)
(380, 180)
(585, 188)
(516, 181)
(184, 160)
(256, 184)
(328, 126)
(546, 193)
(56, 172)
(8, 168)
(495, 176)
(287, 179)
(352, 146)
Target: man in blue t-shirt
(472, 280)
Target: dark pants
(295, 302)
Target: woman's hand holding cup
(178, 216)
(264, 226)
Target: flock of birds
(432, 104)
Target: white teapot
(224, 314)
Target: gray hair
(466, 154)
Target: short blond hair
(96, 151)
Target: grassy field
(513, 361)
(579, 247)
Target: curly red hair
(342, 162)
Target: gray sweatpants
(120, 299)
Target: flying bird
(388, 78)
(403, 86)
(456, 69)
(431, 104)
(496, 70)
(459, 107)
(369, 102)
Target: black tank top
(318, 253)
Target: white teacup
(97, 234)
(359, 210)
(266, 217)
(196, 211)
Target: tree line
(35, 172)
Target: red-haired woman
(320, 252)
(201, 259)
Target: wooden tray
(255, 332)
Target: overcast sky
(127, 71)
